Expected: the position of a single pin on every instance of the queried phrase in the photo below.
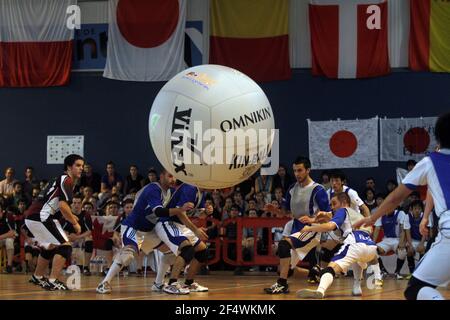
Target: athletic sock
(112, 272)
(282, 282)
(411, 264)
(380, 263)
(325, 282)
(399, 265)
(162, 269)
(38, 277)
(52, 280)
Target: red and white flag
(407, 138)
(145, 39)
(349, 38)
(343, 143)
(35, 43)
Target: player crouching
(357, 251)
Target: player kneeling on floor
(357, 251)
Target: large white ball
(216, 97)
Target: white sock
(357, 272)
(376, 271)
(164, 265)
(38, 277)
(52, 280)
(325, 282)
(428, 293)
(112, 272)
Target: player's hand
(201, 233)
(366, 222)
(72, 237)
(77, 228)
(188, 206)
(306, 229)
(270, 207)
(209, 209)
(306, 220)
(423, 227)
(323, 216)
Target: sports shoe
(87, 272)
(57, 285)
(175, 288)
(407, 277)
(9, 269)
(157, 287)
(378, 283)
(398, 276)
(277, 288)
(195, 287)
(104, 288)
(309, 294)
(356, 290)
(45, 283)
(314, 274)
(34, 280)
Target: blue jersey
(414, 226)
(148, 199)
(342, 220)
(183, 194)
(391, 224)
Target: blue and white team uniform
(358, 246)
(434, 171)
(355, 201)
(170, 229)
(138, 229)
(302, 201)
(413, 225)
(392, 224)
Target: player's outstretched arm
(324, 227)
(429, 206)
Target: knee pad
(401, 254)
(284, 249)
(413, 288)
(89, 246)
(187, 253)
(327, 270)
(64, 251)
(168, 258)
(47, 254)
(326, 255)
(125, 256)
(201, 256)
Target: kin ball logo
(201, 79)
(201, 146)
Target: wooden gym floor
(222, 286)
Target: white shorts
(415, 244)
(47, 232)
(304, 242)
(434, 267)
(145, 241)
(174, 233)
(8, 243)
(388, 244)
(359, 253)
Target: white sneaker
(398, 276)
(378, 283)
(309, 294)
(356, 291)
(195, 287)
(104, 288)
(175, 288)
(157, 287)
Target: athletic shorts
(174, 233)
(359, 253)
(388, 244)
(46, 232)
(140, 240)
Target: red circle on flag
(147, 23)
(343, 144)
(416, 140)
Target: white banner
(408, 138)
(59, 147)
(145, 40)
(343, 144)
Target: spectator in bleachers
(240, 202)
(91, 179)
(369, 199)
(391, 185)
(325, 180)
(88, 193)
(35, 193)
(43, 184)
(152, 176)
(111, 179)
(410, 164)
(133, 180)
(17, 194)
(250, 236)
(252, 206)
(278, 194)
(264, 185)
(7, 236)
(230, 233)
(415, 242)
(88, 207)
(226, 210)
(29, 183)
(282, 179)
(7, 185)
(246, 188)
(370, 183)
(260, 201)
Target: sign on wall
(59, 147)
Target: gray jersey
(307, 200)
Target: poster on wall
(59, 147)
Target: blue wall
(113, 115)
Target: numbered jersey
(59, 189)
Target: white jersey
(434, 171)
(355, 200)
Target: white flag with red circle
(145, 40)
(407, 138)
(343, 143)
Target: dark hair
(29, 167)
(415, 194)
(24, 200)
(77, 196)
(380, 195)
(110, 202)
(127, 201)
(416, 203)
(133, 166)
(442, 130)
(151, 170)
(303, 160)
(325, 173)
(411, 162)
(393, 182)
(88, 203)
(338, 174)
(71, 159)
(17, 183)
(371, 190)
(235, 207)
(342, 197)
(110, 163)
(370, 178)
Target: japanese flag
(343, 144)
(407, 138)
